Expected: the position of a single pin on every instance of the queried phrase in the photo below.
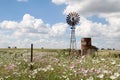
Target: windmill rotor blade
(72, 18)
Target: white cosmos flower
(113, 62)
(105, 71)
(45, 70)
(67, 79)
(112, 77)
(31, 63)
(118, 65)
(116, 75)
(101, 76)
(1, 78)
(90, 78)
(64, 76)
(102, 59)
(35, 71)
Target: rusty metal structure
(73, 19)
(86, 46)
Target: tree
(9, 47)
(15, 47)
(102, 49)
(113, 48)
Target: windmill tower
(73, 19)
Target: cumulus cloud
(90, 7)
(12, 25)
(58, 2)
(28, 30)
(89, 28)
(22, 0)
(31, 25)
(58, 29)
(109, 10)
(104, 35)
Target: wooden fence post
(31, 59)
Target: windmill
(72, 19)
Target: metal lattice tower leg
(73, 46)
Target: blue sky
(45, 9)
(43, 22)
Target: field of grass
(58, 65)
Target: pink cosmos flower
(96, 71)
(36, 58)
(11, 66)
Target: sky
(43, 23)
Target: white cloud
(90, 7)
(29, 30)
(9, 25)
(22, 0)
(105, 34)
(110, 30)
(58, 2)
(58, 29)
(31, 25)
(89, 29)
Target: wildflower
(11, 66)
(118, 65)
(112, 77)
(25, 60)
(73, 66)
(36, 58)
(49, 67)
(39, 69)
(52, 69)
(45, 70)
(100, 76)
(102, 59)
(97, 71)
(1, 63)
(105, 71)
(17, 73)
(64, 72)
(74, 71)
(90, 78)
(97, 61)
(31, 63)
(83, 57)
(86, 71)
(70, 74)
(1, 78)
(63, 65)
(29, 76)
(67, 79)
(35, 71)
(113, 62)
(18, 63)
(117, 74)
(33, 76)
(6, 77)
(64, 76)
(93, 61)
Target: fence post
(31, 59)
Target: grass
(58, 65)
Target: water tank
(86, 45)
